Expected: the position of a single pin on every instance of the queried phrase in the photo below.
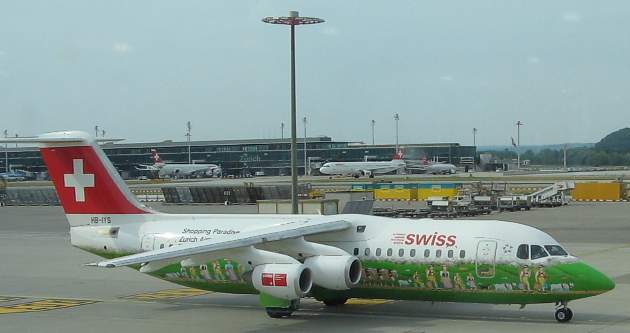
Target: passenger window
(450, 253)
(401, 252)
(161, 246)
(438, 253)
(556, 250)
(427, 253)
(523, 251)
(367, 251)
(462, 254)
(389, 252)
(412, 252)
(378, 252)
(356, 251)
(538, 252)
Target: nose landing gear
(563, 313)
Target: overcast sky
(141, 69)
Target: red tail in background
(156, 157)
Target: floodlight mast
(292, 20)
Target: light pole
(282, 130)
(564, 160)
(518, 144)
(188, 128)
(292, 20)
(396, 118)
(475, 145)
(373, 123)
(305, 170)
(6, 152)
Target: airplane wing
(288, 230)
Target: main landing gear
(563, 313)
(277, 312)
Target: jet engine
(335, 272)
(285, 281)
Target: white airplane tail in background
(89, 187)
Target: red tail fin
(156, 157)
(85, 179)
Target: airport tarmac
(45, 288)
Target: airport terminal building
(243, 157)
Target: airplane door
(147, 242)
(486, 255)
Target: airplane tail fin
(156, 157)
(399, 155)
(87, 183)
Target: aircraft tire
(278, 312)
(563, 315)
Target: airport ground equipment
(599, 191)
(514, 203)
(484, 204)
(556, 194)
(307, 206)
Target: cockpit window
(556, 250)
(523, 251)
(538, 252)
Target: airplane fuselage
(361, 168)
(437, 260)
(187, 170)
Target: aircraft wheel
(335, 301)
(563, 315)
(278, 312)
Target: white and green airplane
(284, 258)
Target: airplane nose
(598, 280)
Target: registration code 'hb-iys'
(101, 220)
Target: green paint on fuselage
(440, 282)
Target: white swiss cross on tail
(78, 180)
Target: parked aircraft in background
(358, 169)
(180, 170)
(17, 175)
(284, 258)
(437, 168)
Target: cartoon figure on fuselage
(524, 277)
(470, 281)
(431, 279)
(446, 278)
(230, 270)
(541, 279)
(417, 280)
(218, 272)
(459, 282)
(285, 255)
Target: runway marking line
(4, 299)
(167, 294)
(43, 305)
(361, 301)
